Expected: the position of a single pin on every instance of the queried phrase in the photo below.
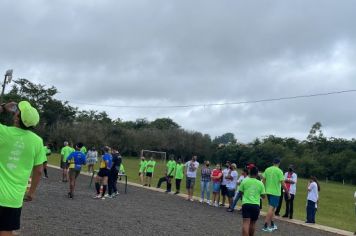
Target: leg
(286, 214)
(279, 205)
(245, 226)
(105, 183)
(110, 183)
(45, 169)
(202, 190)
(236, 199)
(114, 184)
(97, 184)
(169, 184)
(208, 191)
(252, 228)
(291, 204)
(6, 233)
(160, 181)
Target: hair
(254, 171)
(313, 178)
(106, 149)
(79, 145)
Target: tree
(227, 138)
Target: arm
(36, 177)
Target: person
(216, 176)
(205, 182)
(103, 174)
(92, 159)
(280, 202)
(290, 179)
(191, 174)
(76, 160)
(48, 153)
(65, 152)
(231, 184)
(274, 179)
(223, 187)
(21, 153)
(150, 168)
(113, 175)
(312, 199)
(169, 175)
(142, 167)
(179, 174)
(252, 190)
(238, 196)
(84, 150)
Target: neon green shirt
(252, 190)
(20, 151)
(179, 171)
(273, 176)
(150, 166)
(143, 165)
(83, 150)
(65, 151)
(122, 168)
(47, 152)
(171, 165)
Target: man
(238, 196)
(48, 152)
(65, 152)
(150, 168)
(179, 175)
(274, 179)
(114, 171)
(223, 187)
(21, 152)
(231, 183)
(75, 160)
(141, 171)
(169, 174)
(290, 179)
(103, 174)
(191, 167)
(252, 190)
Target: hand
(28, 197)
(289, 197)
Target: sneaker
(106, 195)
(201, 200)
(116, 193)
(216, 204)
(222, 204)
(274, 227)
(208, 202)
(230, 210)
(192, 200)
(176, 193)
(267, 229)
(110, 196)
(97, 196)
(102, 198)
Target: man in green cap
(21, 152)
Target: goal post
(155, 154)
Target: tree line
(332, 158)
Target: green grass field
(336, 206)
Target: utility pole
(7, 80)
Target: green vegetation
(336, 206)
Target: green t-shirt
(65, 151)
(47, 152)
(171, 165)
(20, 151)
(252, 190)
(83, 150)
(122, 168)
(179, 171)
(143, 165)
(273, 176)
(150, 166)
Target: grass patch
(336, 207)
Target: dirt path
(139, 212)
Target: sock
(97, 187)
(45, 172)
(266, 225)
(272, 223)
(104, 190)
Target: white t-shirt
(225, 173)
(313, 194)
(293, 187)
(191, 173)
(239, 181)
(231, 183)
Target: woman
(313, 198)
(205, 182)
(92, 158)
(216, 175)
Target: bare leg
(252, 228)
(246, 226)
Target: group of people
(226, 184)
(72, 161)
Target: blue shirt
(107, 158)
(76, 160)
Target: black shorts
(64, 165)
(250, 211)
(223, 189)
(10, 218)
(149, 174)
(230, 193)
(73, 173)
(103, 172)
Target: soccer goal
(155, 154)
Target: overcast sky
(148, 52)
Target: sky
(107, 53)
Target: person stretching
(103, 174)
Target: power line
(218, 104)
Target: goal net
(155, 154)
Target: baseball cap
(29, 114)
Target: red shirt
(216, 173)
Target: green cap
(29, 114)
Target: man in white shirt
(290, 180)
(231, 183)
(223, 187)
(191, 174)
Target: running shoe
(274, 227)
(109, 196)
(267, 229)
(191, 200)
(97, 196)
(209, 202)
(201, 200)
(102, 198)
(116, 193)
